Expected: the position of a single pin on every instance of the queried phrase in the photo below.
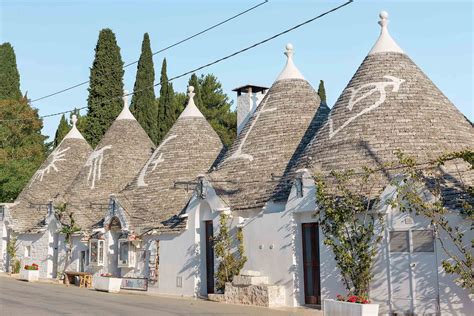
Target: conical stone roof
(270, 143)
(188, 150)
(118, 157)
(389, 105)
(50, 181)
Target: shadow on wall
(191, 266)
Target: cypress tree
(322, 91)
(215, 105)
(167, 112)
(63, 129)
(9, 75)
(105, 87)
(143, 104)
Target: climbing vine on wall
(12, 247)
(230, 256)
(351, 228)
(424, 192)
(68, 228)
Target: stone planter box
(107, 284)
(338, 308)
(29, 275)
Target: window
(96, 252)
(124, 249)
(399, 241)
(2, 212)
(423, 240)
(299, 187)
(27, 251)
(127, 254)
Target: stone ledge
(244, 280)
(252, 273)
(257, 295)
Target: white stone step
(245, 280)
(250, 273)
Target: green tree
(143, 105)
(231, 261)
(322, 91)
(167, 107)
(9, 75)
(63, 129)
(351, 228)
(22, 147)
(215, 105)
(105, 87)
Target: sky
(54, 42)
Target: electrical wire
(210, 63)
(161, 50)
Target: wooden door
(312, 283)
(209, 256)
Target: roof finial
(191, 93)
(385, 43)
(74, 119)
(125, 114)
(74, 132)
(191, 109)
(289, 50)
(125, 98)
(290, 71)
(383, 18)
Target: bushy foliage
(351, 228)
(231, 261)
(22, 147)
(215, 105)
(63, 129)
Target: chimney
(248, 97)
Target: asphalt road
(23, 298)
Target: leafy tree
(351, 229)
(105, 87)
(215, 106)
(412, 192)
(167, 111)
(230, 261)
(143, 105)
(22, 147)
(63, 129)
(9, 75)
(322, 91)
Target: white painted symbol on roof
(94, 162)
(57, 155)
(152, 161)
(238, 153)
(377, 87)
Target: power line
(213, 62)
(161, 50)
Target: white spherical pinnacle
(289, 47)
(191, 89)
(383, 15)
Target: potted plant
(30, 273)
(107, 283)
(350, 305)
